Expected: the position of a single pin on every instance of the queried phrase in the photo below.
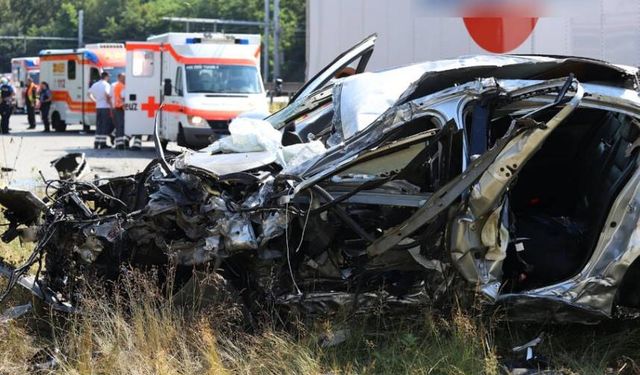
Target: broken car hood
(222, 164)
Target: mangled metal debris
(515, 174)
(14, 312)
(71, 166)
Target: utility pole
(80, 28)
(276, 39)
(265, 40)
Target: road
(30, 151)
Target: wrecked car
(515, 174)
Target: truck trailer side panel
(411, 31)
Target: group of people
(109, 99)
(36, 97)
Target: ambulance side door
(74, 81)
(173, 114)
(143, 89)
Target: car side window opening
(559, 203)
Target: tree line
(127, 20)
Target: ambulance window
(178, 82)
(94, 76)
(142, 64)
(71, 69)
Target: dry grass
(141, 331)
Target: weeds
(138, 329)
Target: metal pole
(265, 41)
(276, 39)
(80, 28)
(187, 23)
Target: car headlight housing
(196, 120)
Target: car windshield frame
(316, 87)
(252, 82)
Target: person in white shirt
(100, 93)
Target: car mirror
(167, 87)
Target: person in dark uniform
(6, 104)
(45, 104)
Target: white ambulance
(70, 73)
(204, 80)
(21, 68)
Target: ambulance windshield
(223, 79)
(35, 76)
(113, 73)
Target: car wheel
(182, 141)
(58, 124)
(86, 128)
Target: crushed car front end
(515, 174)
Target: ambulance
(70, 73)
(204, 80)
(21, 68)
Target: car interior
(561, 199)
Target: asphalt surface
(28, 152)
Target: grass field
(143, 332)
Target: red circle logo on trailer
(500, 28)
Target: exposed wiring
(156, 141)
(81, 184)
(286, 237)
(33, 258)
(15, 161)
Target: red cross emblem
(501, 27)
(150, 106)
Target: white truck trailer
(412, 31)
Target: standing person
(7, 94)
(136, 143)
(31, 96)
(45, 104)
(100, 93)
(117, 88)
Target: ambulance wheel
(182, 141)
(58, 124)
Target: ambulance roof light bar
(213, 20)
(88, 54)
(217, 38)
(104, 45)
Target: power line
(22, 37)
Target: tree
(125, 20)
